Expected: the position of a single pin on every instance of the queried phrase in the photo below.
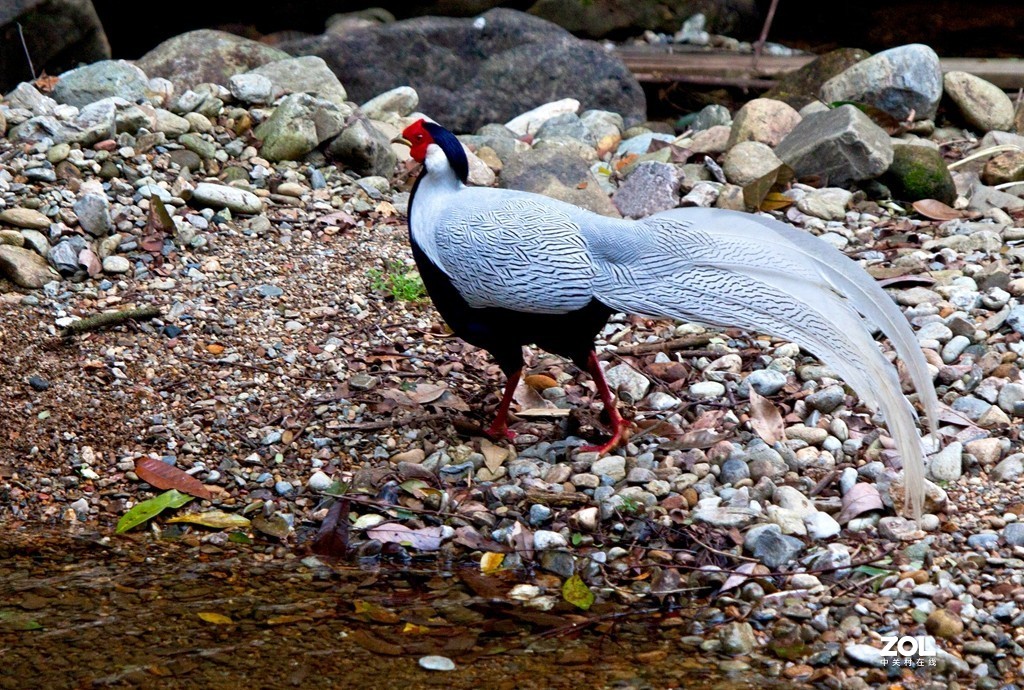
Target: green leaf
(149, 509)
(576, 592)
(871, 570)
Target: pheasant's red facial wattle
(419, 139)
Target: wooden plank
(658, 64)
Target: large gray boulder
(206, 55)
(558, 175)
(469, 72)
(903, 81)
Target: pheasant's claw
(500, 432)
(620, 436)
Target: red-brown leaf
(163, 476)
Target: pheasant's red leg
(499, 427)
(619, 425)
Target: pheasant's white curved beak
(401, 140)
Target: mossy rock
(919, 172)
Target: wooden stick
(109, 318)
(681, 343)
(391, 422)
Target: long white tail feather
(871, 301)
(724, 270)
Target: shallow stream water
(133, 612)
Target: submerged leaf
(149, 509)
(332, 539)
(491, 561)
(274, 526)
(423, 539)
(217, 519)
(576, 592)
(373, 612)
(18, 621)
(215, 618)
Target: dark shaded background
(982, 28)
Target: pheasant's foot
(620, 436)
(499, 431)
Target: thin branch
(392, 422)
(24, 46)
(109, 318)
(759, 46)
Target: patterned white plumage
(529, 253)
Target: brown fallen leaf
(741, 574)
(427, 392)
(373, 612)
(494, 455)
(521, 540)
(765, 419)
(528, 398)
(90, 261)
(934, 209)
(470, 538)
(544, 412)
(217, 519)
(164, 476)
(861, 498)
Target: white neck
(439, 170)
(433, 196)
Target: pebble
(544, 540)
(25, 218)
(707, 389)
(865, 654)
(1009, 469)
(437, 663)
(222, 196)
(983, 541)
(764, 381)
(612, 466)
(947, 464)
(116, 265)
(737, 638)
(319, 481)
(821, 526)
(944, 624)
(1013, 534)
